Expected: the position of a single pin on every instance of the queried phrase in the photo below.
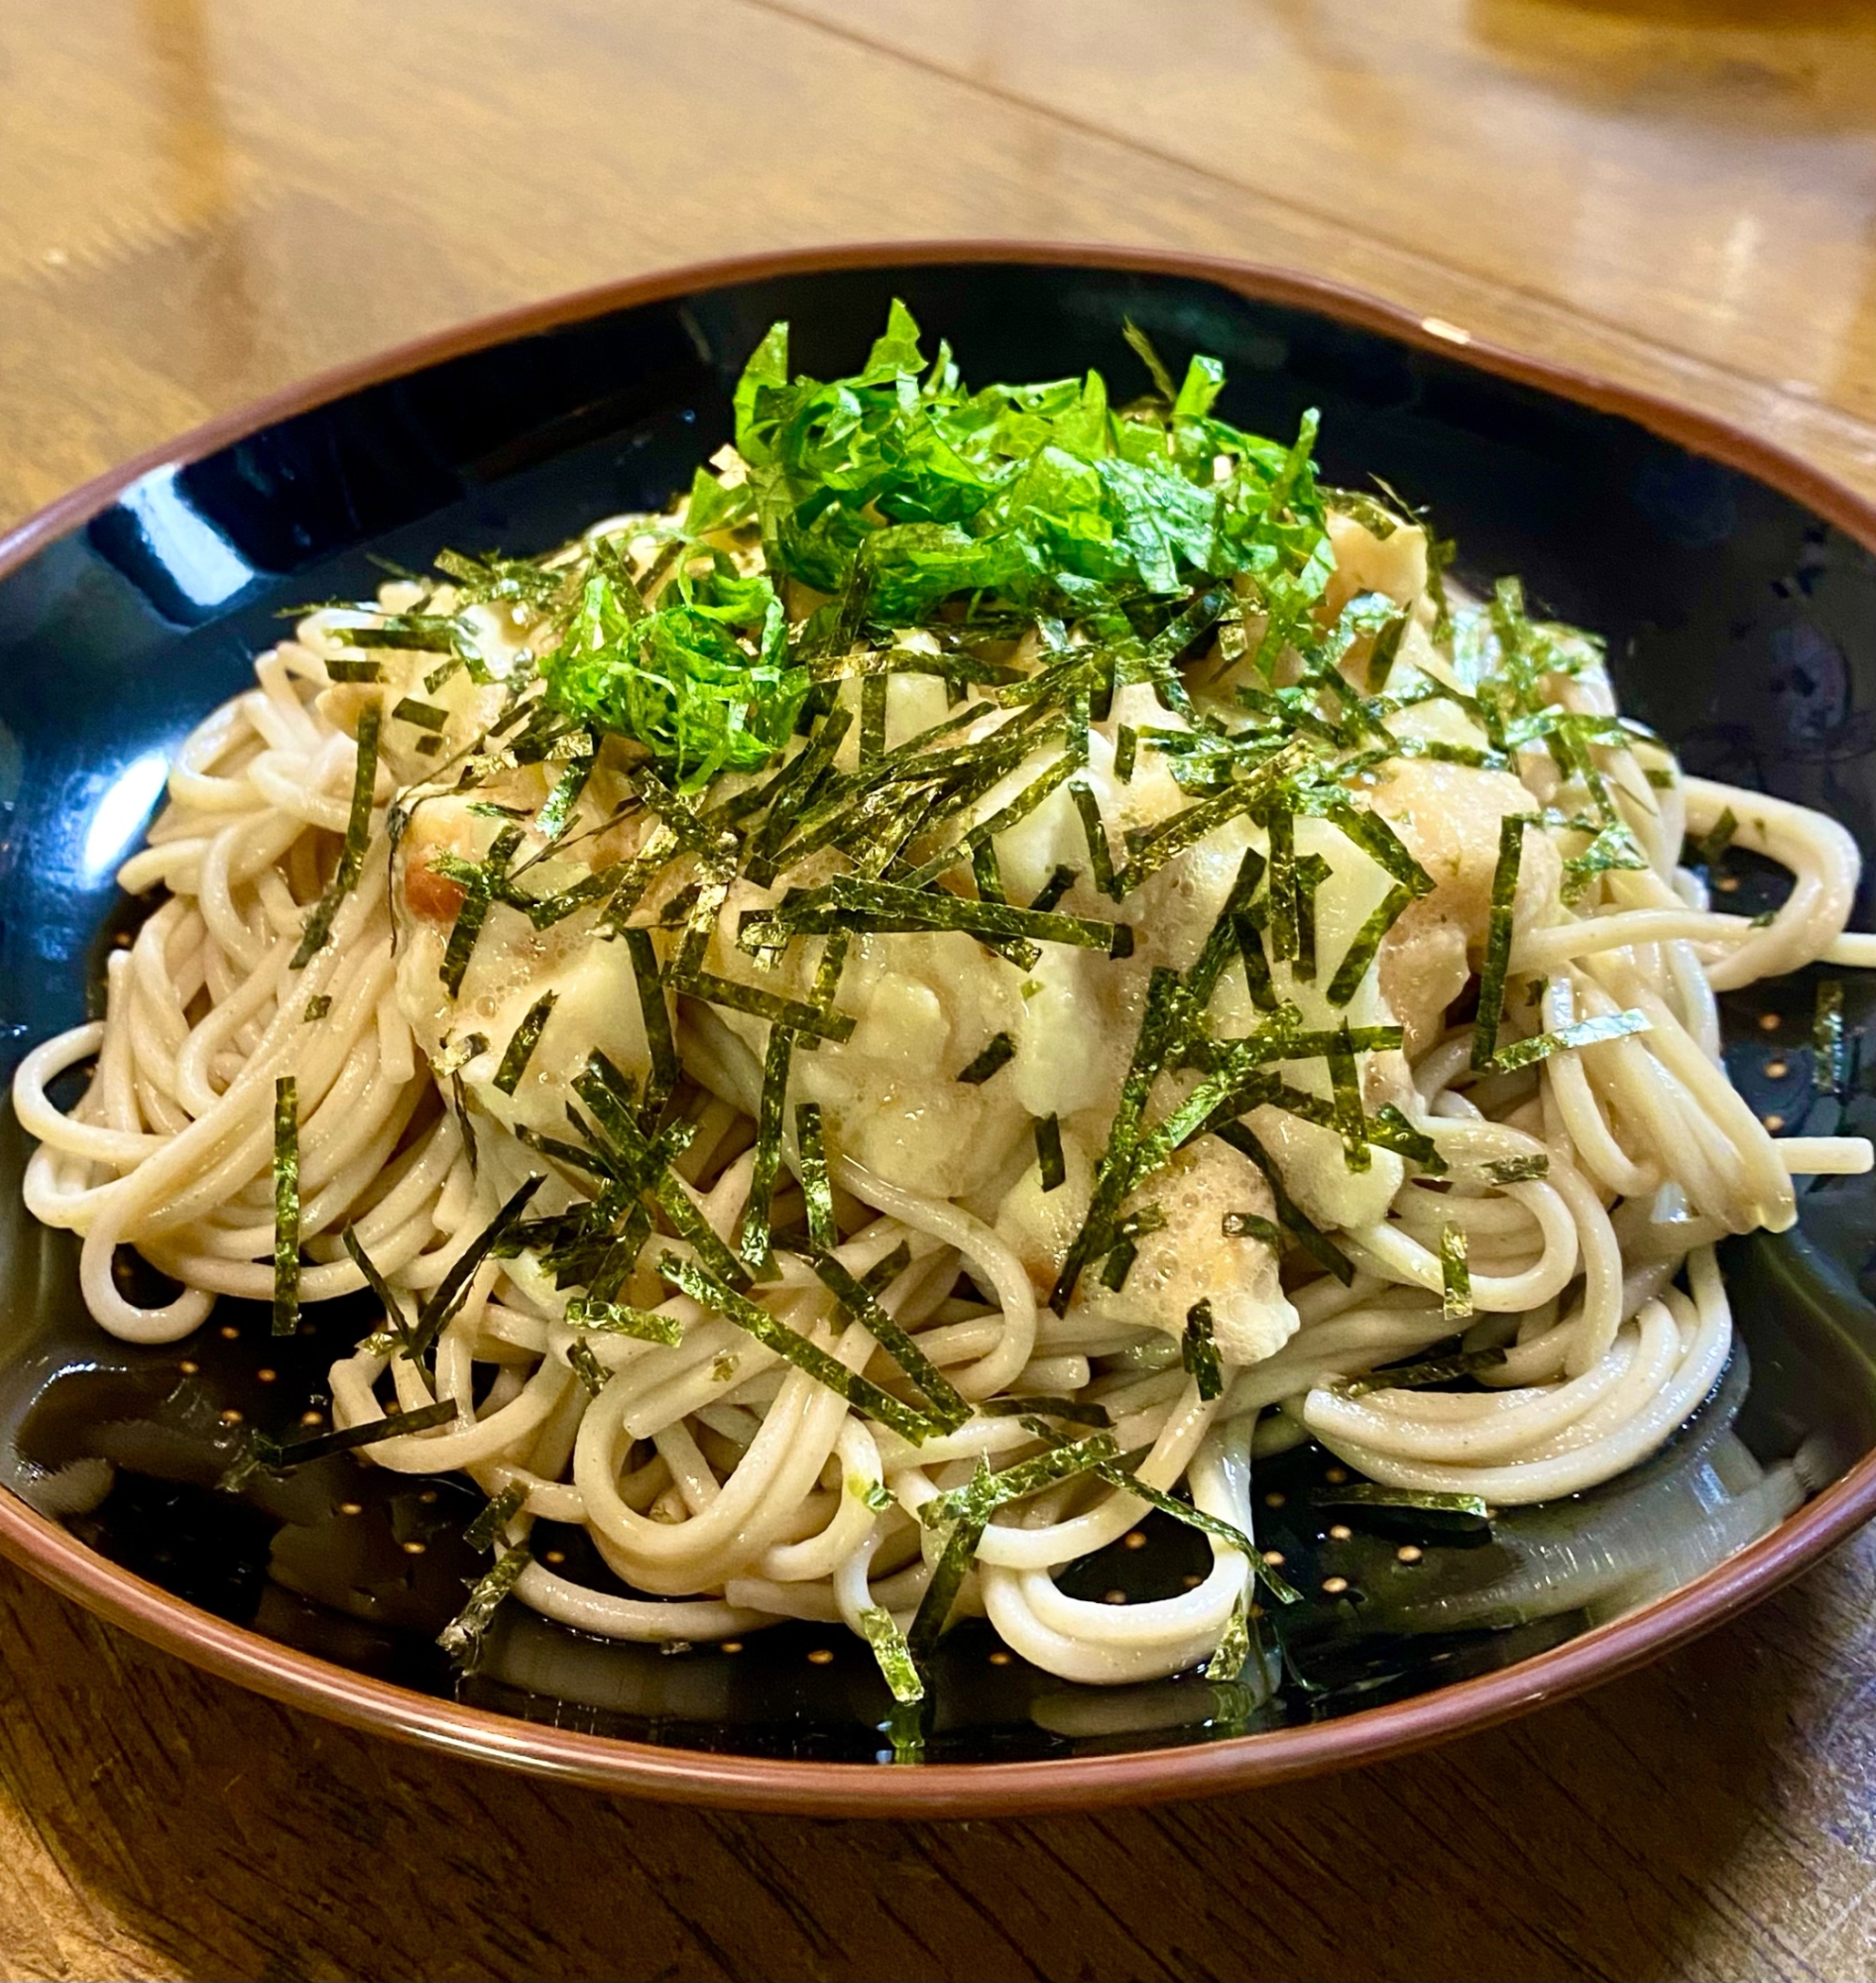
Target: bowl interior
(1740, 625)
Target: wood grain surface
(203, 200)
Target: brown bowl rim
(941, 1790)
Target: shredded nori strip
(1498, 934)
(478, 892)
(941, 1594)
(1290, 1216)
(1583, 1033)
(1115, 1172)
(1000, 1051)
(558, 813)
(666, 1070)
(1281, 892)
(1060, 882)
(1126, 743)
(985, 1492)
(771, 1117)
(886, 1269)
(1366, 944)
(1119, 1473)
(1311, 873)
(1830, 1068)
(1346, 1087)
(520, 1046)
(1049, 1160)
(886, 909)
(285, 1206)
(1455, 1277)
(811, 1169)
(492, 1524)
(587, 1367)
(1250, 1226)
(1186, 828)
(1713, 845)
(1515, 1170)
(895, 1657)
(1199, 1352)
(1369, 1494)
(1094, 830)
(872, 718)
(462, 1636)
(1417, 1376)
(621, 1319)
(352, 854)
(425, 715)
(318, 1008)
(281, 1455)
(381, 1288)
(864, 1396)
(944, 1404)
(1040, 1407)
(453, 1289)
(1233, 1646)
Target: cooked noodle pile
(1108, 1191)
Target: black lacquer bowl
(1737, 591)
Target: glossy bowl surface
(1737, 591)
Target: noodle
(725, 1475)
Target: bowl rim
(946, 1790)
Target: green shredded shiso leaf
(897, 490)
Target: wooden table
(200, 201)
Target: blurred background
(202, 200)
